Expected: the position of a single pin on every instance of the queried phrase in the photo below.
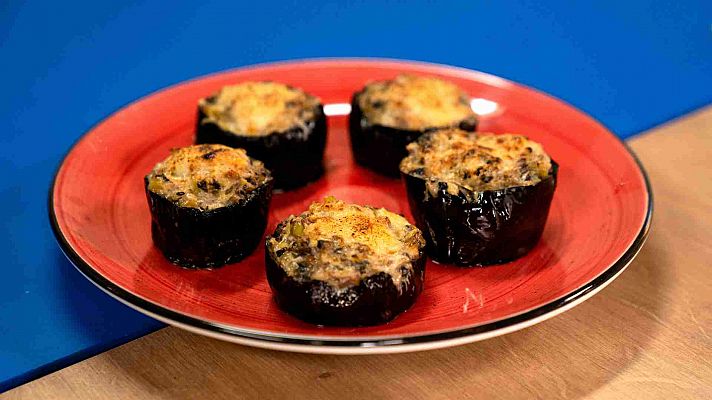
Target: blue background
(66, 66)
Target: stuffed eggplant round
(208, 205)
(479, 199)
(345, 264)
(282, 126)
(387, 115)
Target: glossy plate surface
(598, 221)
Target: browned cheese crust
(342, 244)
(258, 108)
(415, 103)
(207, 176)
(476, 162)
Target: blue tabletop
(65, 66)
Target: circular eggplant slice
(198, 238)
(373, 300)
(376, 300)
(294, 154)
(479, 199)
(480, 228)
(381, 147)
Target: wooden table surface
(646, 336)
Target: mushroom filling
(343, 244)
(207, 176)
(259, 108)
(476, 162)
(415, 103)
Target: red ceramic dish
(599, 217)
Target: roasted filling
(207, 176)
(342, 244)
(259, 108)
(415, 103)
(476, 162)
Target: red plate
(599, 217)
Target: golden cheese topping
(415, 103)
(259, 108)
(342, 244)
(477, 162)
(207, 176)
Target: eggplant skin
(376, 300)
(381, 148)
(295, 157)
(199, 239)
(501, 227)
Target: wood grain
(648, 335)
